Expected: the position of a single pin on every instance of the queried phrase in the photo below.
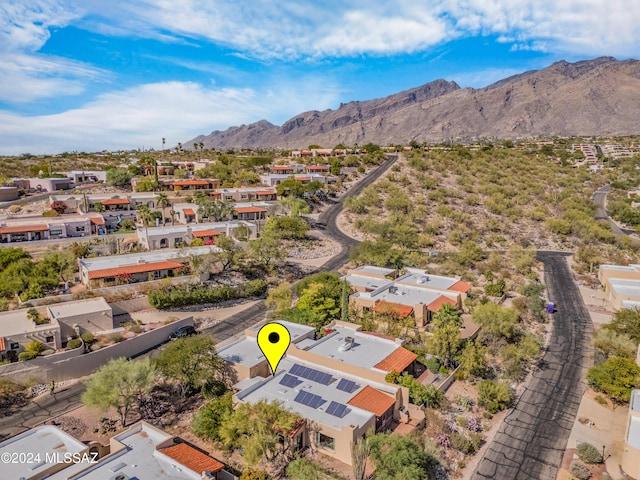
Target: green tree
(146, 184)
(286, 228)
(62, 263)
(190, 361)
(398, 457)
(494, 396)
(279, 298)
(625, 320)
(120, 384)
(616, 377)
(261, 430)
(496, 320)
(446, 335)
(303, 469)
(230, 254)
(162, 200)
(207, 420)
(612, 343)
(315, 299)
(119, 177)
(296, 205)
(381, 254)
(266, 252)
(290, 188)
(472, 360)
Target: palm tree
(222, 210)
(145, 217)
(162, 200)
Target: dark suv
(183, 332)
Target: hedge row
(182, 295)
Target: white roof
(423, 279)
(624, 268)
(80, 307)
(367, 351)
(139, 460)
(100, 263)
(633, 437)
(625, 287)
(406, 295)
(372, 283)
(15, 322)
(43, 441)
(376, 270)
(270, 389)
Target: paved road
(47, 407)
(39, 410)
(599, 198)
(532, 439)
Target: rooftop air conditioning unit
(120, 476)
(347, 345)
(141, 261)
(393, 290)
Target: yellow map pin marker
(273, 340)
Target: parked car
(182, 332)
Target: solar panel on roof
(309, 399)
(337, 409)
(347, 385)
(311, 374)
(289, 381)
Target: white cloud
(142, 115)
(26, 75)
(292, 29)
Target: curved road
(532, 439)
(45, 407)
(599, 198)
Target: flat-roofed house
(631, 454)
(620, 290)
(138, 267)
(17, 330)
(142, 452)
(626, 272)
(92, 315)
(44, 450)
(416, 293)
(337, 384)
(175, 236)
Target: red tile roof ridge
(192, 458)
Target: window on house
(79, 229)
(324, 441)
(163, 242)
(48, 339)
(15, 345)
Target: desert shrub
(494, 396)
(50, 213)
(182, 295)
(580, 471)
(254, 474)
(116, 337)
(213, 389)
(88, 338)
(462, 443)
(433, 364)
(74, 343)
(35, 347)
(27, 355)
(600, 399)
(589, 454)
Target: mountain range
(598, 97)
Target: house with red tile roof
(337, 383)
(140, 452)
(414, 293)
(138, 267)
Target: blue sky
(93, 74)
